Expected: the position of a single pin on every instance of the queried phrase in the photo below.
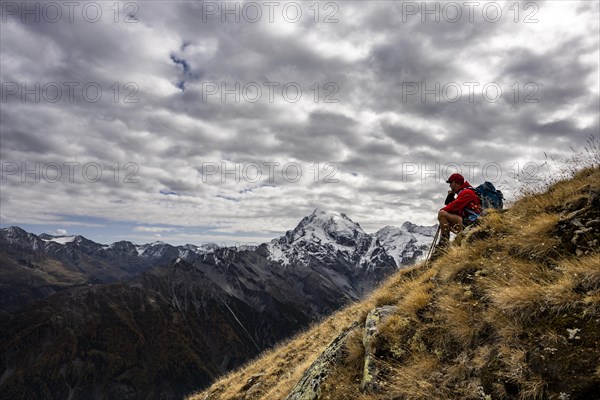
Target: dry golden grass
(584, 270)
(354, 352)
(532, 388)
(467, 322)
(560, 192)
(591, 305)
(517, 372)
(415, 300)
(413, 381)
(533, 240)
(459, 316)
(528, 290)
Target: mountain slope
(103, 342)
(512, 312)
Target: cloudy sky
(193, 121)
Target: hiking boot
(437, 253)
(443, 243)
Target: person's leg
(448, 222)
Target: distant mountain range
(158, 321)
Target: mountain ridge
(223, 307)
(56, 262)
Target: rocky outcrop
(309, 387)
(372, 367)
(580, 222)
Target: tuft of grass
(415, 300)
(585, 271)
(534, 239)
(532, 388)
(591, 303)
(541, 182)
(413, 381)
(354, 351)
(458, 311)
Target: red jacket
(467, 198)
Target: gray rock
(309, 387)
(372, 368)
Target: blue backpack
(490, 197)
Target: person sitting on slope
(451, 216)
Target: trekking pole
(437, 233)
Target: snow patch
(276, 253)
(140, 250)
(61, 239)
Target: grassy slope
(494, 318)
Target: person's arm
(449, 198)
(461, 202)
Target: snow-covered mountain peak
(422, 230)
(320, 234)
(389, 230)
(392, 237)
(14, 231)
(327, 226)
(14, 234)
(326, 235)
(408, 243)
(207, 247)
